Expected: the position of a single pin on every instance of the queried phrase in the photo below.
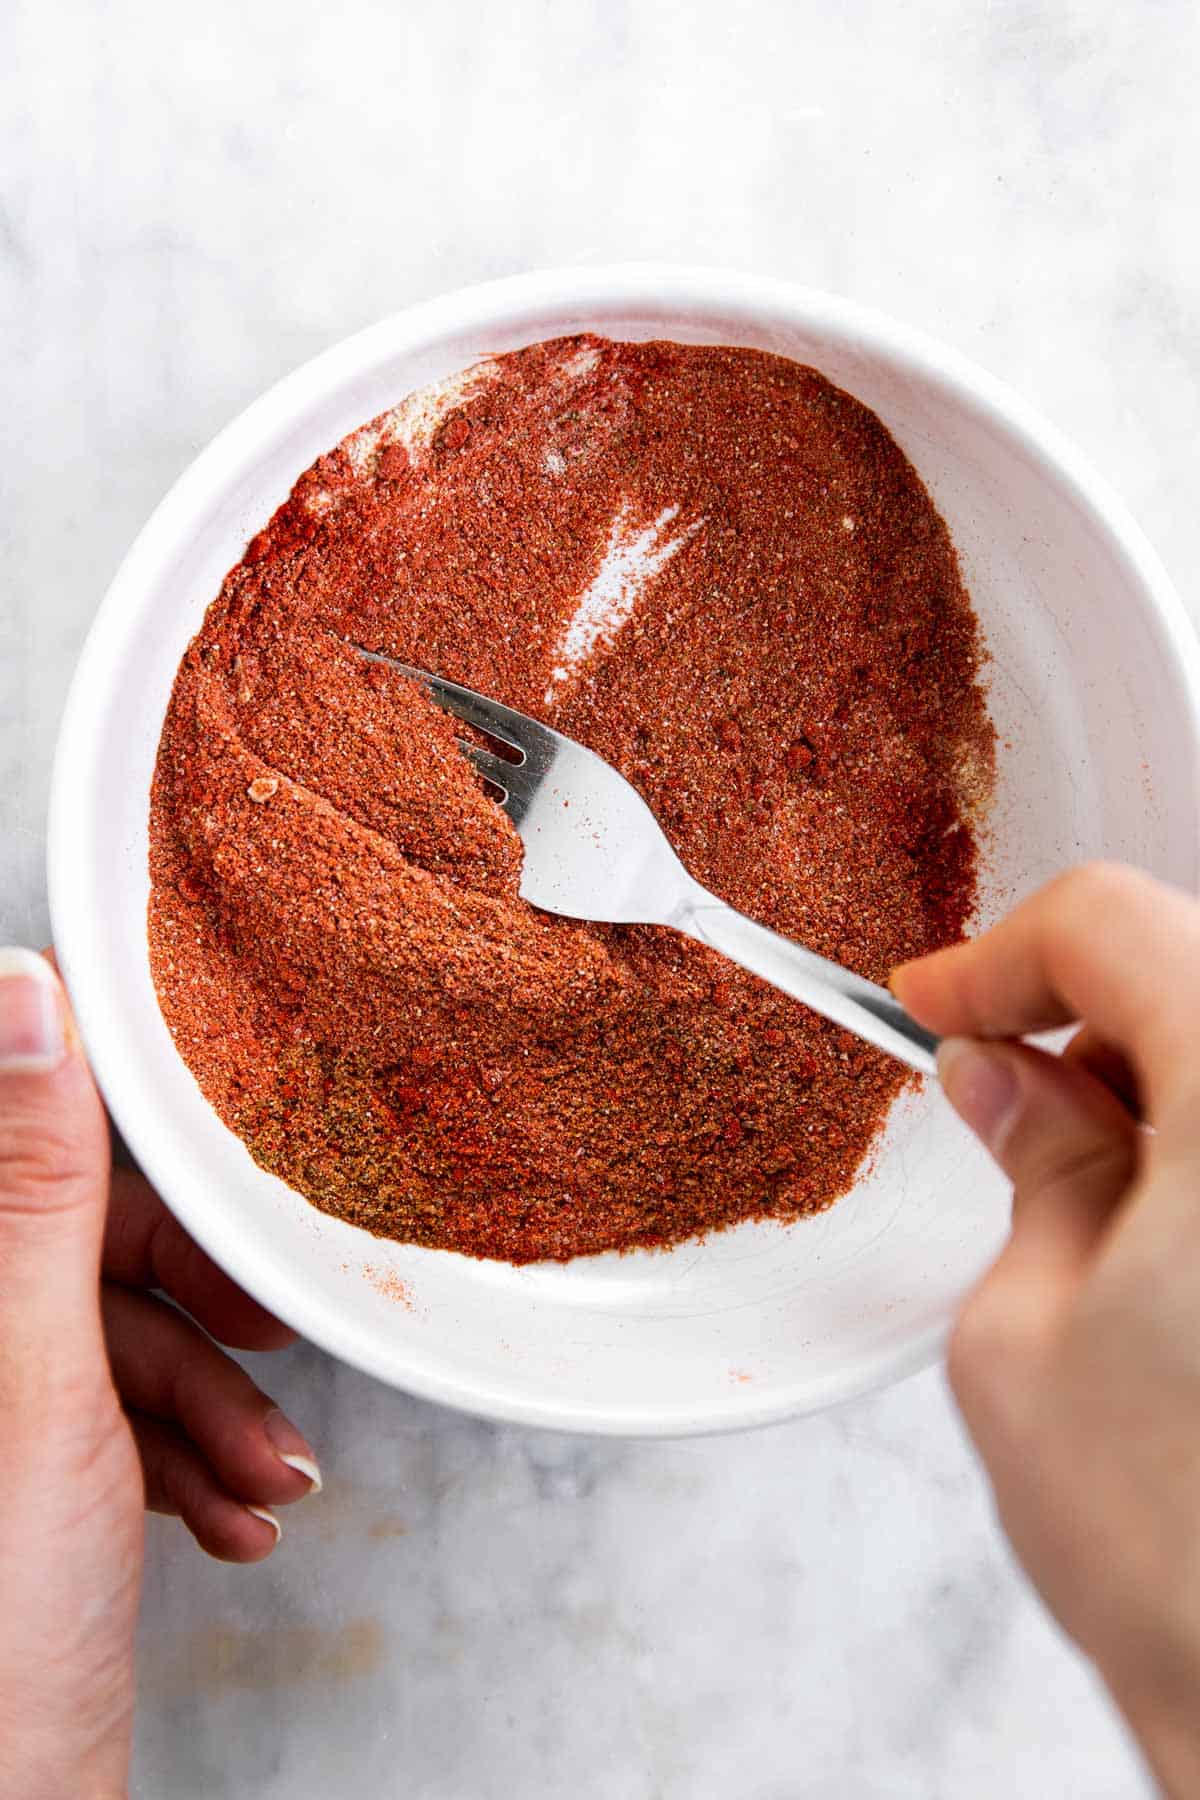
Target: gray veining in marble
(195, 199)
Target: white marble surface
(194, 200)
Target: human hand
(1076, 1361)
(108, 1396)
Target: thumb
(1061, 1136)
(54, 1163)
(1070, 1150)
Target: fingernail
(32, 1035)
(268, 1517)
(292, 1448)
(982, 1087)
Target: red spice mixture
(778, 652)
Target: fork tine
(501, 722)
(507, 775)
(516, 785)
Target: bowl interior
(1089, 689)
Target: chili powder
(720, 572)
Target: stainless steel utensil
(594, 850)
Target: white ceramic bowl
(1095, 690)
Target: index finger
(1103, 944)
(146, 1246)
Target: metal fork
(594, 850)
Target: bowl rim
(475, 308)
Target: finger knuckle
(41, 1162)
(1097, 885)
(182, 1489)
(1077, 1166)
(183, 1486)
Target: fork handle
(834, 992)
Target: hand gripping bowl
(1095, 691)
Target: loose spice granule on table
(720, 572)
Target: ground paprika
(720, 572)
